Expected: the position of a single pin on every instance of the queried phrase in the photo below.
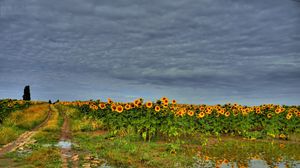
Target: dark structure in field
(26, 95)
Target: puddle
(251, 164)
(47, 145)
(237, 154)
(64, 144)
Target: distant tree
(26, 95)
(50, 102)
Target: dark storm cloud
(208, 51)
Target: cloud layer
(195, 51)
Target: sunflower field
(166, 118)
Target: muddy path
(69, 159)
(24, 138)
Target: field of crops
(166, 118)
(160, 133)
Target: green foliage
(174, 121)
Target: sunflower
(269, 115)
(191, 113)
(113, 107)
(94, 107)
(244, 112)
(119, 109)
(132, 105)
(278, 110)
(149, 104)
(109, 101)
(201, 115)
(102, 106)
(257, 110)
(163, 98)
(289, 116)
(235, 112)
(127, 107)
(137, 102)
(165, 102)
(227, 114)
(157, 108)
(222, 111)
(282, 136)
(174, 101)
(180, 113)
(165, 106)
(209, 108)
(208, 111)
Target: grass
(39, 157)
(28, 118)
(8, 134)
(20, 121)
(55, 120)
(78, 122)
(130, 151)
(43, 152)
(44, 157)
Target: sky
(194, 51)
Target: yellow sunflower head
(113, 107)
(127, 107)
(201, 115)
(289, 116)
(282, 136)
(157, 108)
(119, 109)
(149, 104)
(109, 101)
(227, 114)
(191, 113)
(174, 101)
(277, 110)
(102, 106)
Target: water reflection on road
(250, 154)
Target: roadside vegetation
(20, 121)
(42, 149)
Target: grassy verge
(39, 156)
(20, 121)
(42, 152)
(130, 151)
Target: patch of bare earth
(67, 156)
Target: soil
(67, 156)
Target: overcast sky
(195, 51)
